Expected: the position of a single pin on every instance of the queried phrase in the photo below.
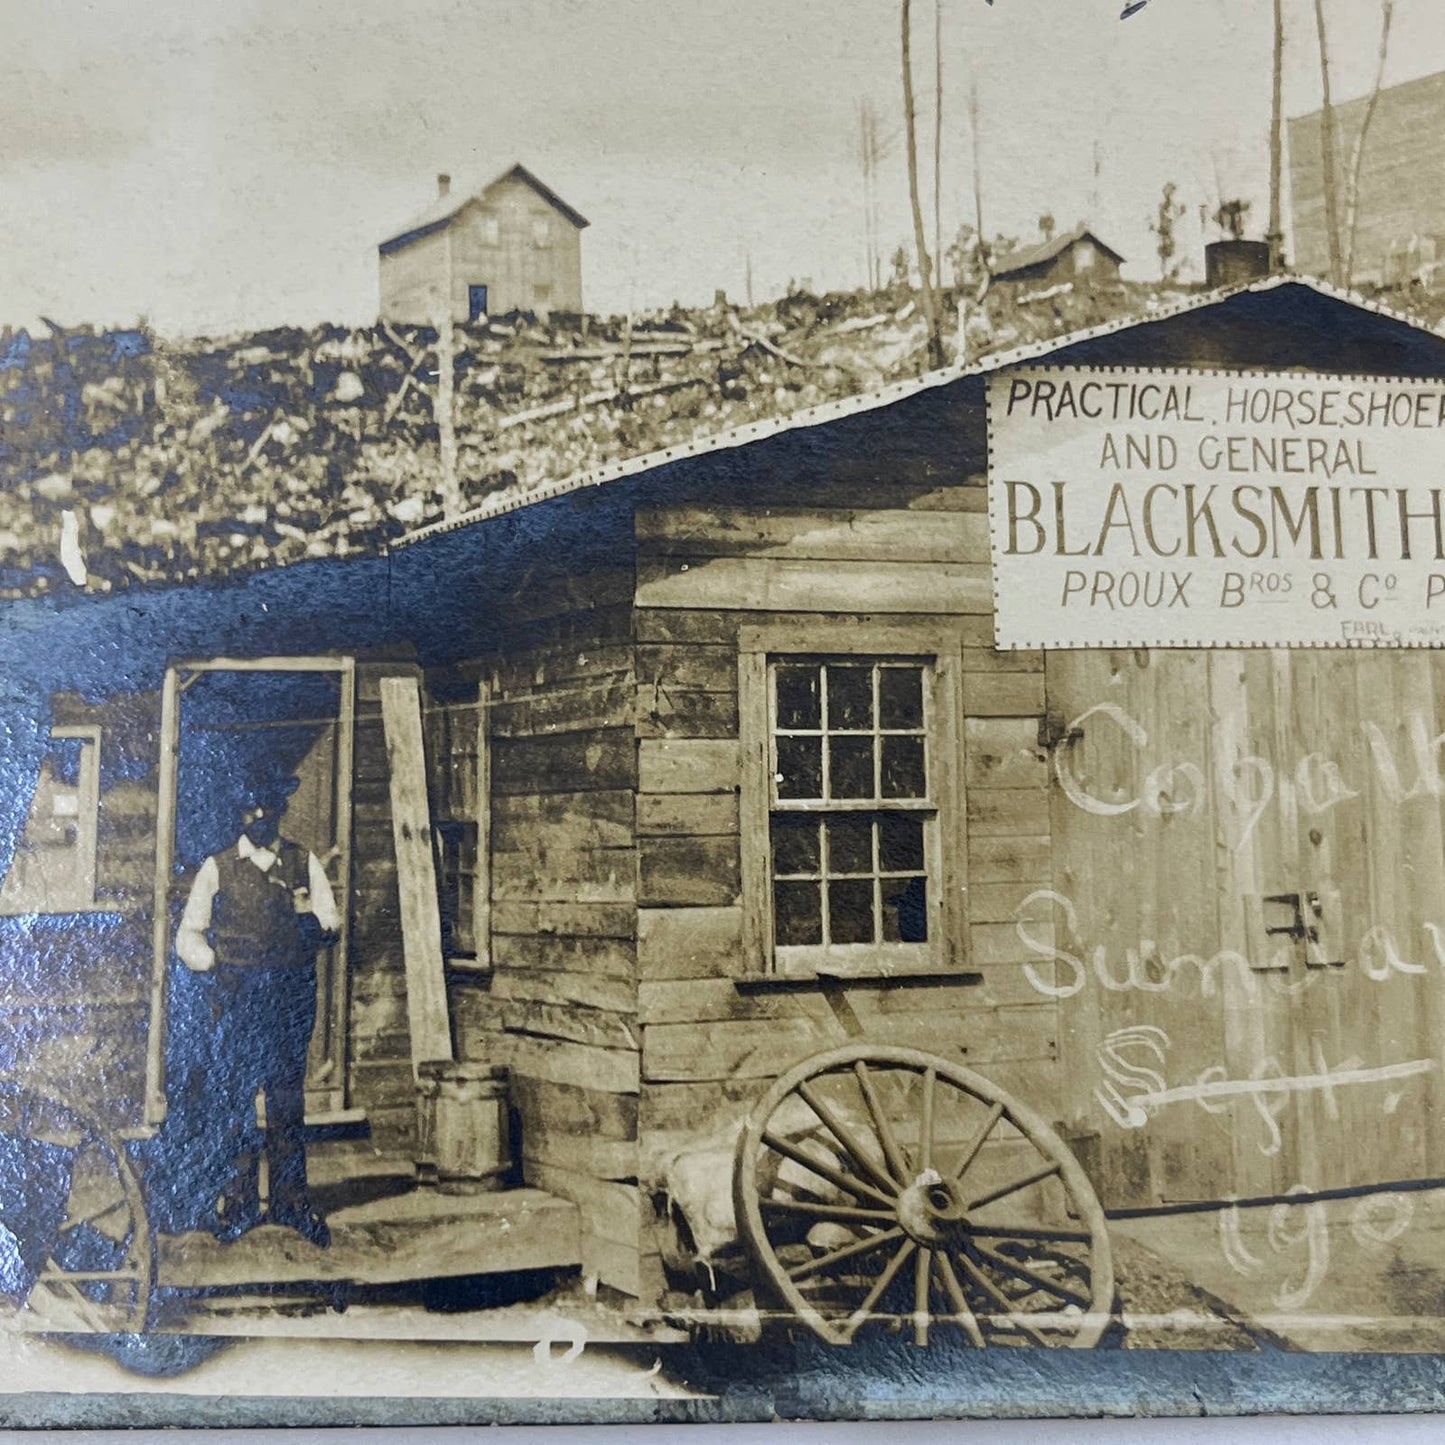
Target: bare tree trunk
(925, 267)
(1327, 153)
(1352, 180)
(938, 137)
(1275, 235)
(983, 253)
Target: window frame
(441, 771)
(941, 653)
(87, 822)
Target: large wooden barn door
(1248, 904)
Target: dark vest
(254, 923)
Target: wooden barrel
(463, 1133)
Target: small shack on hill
(1077, 255)
(721, 763)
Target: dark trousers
(264, 1018)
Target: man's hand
(200, 958)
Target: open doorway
(225, 723)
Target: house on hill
(514, 245)
(1077, 255)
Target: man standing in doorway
(257, 914)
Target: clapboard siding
(562, 995)
(819, 571)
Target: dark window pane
(795, 845)
(798, 698)
(905, 910)
(797, 914)
(800, 767)
(850, 698)
(65, 761)
(900, 697)
(850, 911)
(900, 844)
(850, 845)
(903, 768)
(850, 768)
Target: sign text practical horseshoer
(1142, 508)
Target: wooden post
(155, 1100)
(421, 927)
(445, 405)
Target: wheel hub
(930, 1209)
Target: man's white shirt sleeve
(191, 943)
(323, 901)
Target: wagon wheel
(94, 1258)
(879, 1184)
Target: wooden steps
(422, 1234)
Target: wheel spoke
(1010, 1314)
(962, 1313)
(922, 1274)
(91, 1218)
(857, 1151)
(1030, 1276)
(67, 1276)
(839, 1213)
(1004, 1190)
(1031, 1232)
(897, 1161)
(995, 1113)
(856, 1187)
(860, 1316)
(846, 1251)
(925, 1123)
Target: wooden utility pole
(1275, 235)
(925, 266)
(1327, 153)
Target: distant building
(1077, 255)
(515, 245)
(1401, 209)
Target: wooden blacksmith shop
(1035, 768)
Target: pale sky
(216, 165)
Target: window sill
(824, 978)
(469, 967)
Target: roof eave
(897, 391)
(418, 233)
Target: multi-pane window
(457, 767)
(851, 811)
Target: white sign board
(1139, 508)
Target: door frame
(180, 676)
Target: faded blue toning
(444, 597)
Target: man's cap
(268, 792)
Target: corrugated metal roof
(1047, 250)
(514, 499)
(444, 209)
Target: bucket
(463, 1133)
